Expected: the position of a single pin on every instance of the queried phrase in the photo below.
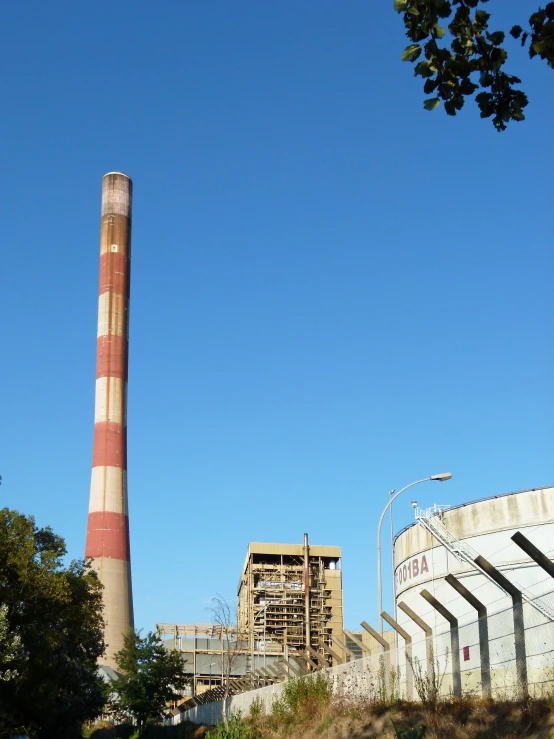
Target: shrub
(306, 696)
(256, 708)
(235, 729)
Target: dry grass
(454, 719)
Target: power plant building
(272, 630)
(290, 597)
(108, 522)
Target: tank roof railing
(434, 510)
(479, 500)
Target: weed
(415, 731)
(235, 729)
(388, 681)
(256, 708)
(324, 725)
(428, 684)
(305, 696)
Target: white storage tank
(483, 527)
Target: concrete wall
(357, 675)
(365, 679)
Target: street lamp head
(443, 477)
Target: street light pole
(392, 564)
(442, 477)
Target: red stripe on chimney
(110, 445)
(111, 356)
(108, 536)
(113, 273)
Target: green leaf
(498, 57)
(429, 86)
(484, 101)
(400, 5)
(431, 103)
(496, 38)
(481, 16)
(411, 53)
(467, 87)
(439, 30)
(516, 31)
(423, 69)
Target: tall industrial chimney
(108, 521)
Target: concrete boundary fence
(430, 666)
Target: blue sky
(334, 292)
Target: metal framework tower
(108, 522)
(290, 598)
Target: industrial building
(290, 598)
(211, 653)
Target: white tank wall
(486, 526)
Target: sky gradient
(334, 292)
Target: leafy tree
(10, 647)
(50, 633)
(471, 57)
(151, 678)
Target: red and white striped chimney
(108, 521)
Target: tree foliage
(151, 677)
(11, 650)
(50, 633)
(471, 57)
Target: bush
(235, 729)
(256, 708)
(305, 696)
